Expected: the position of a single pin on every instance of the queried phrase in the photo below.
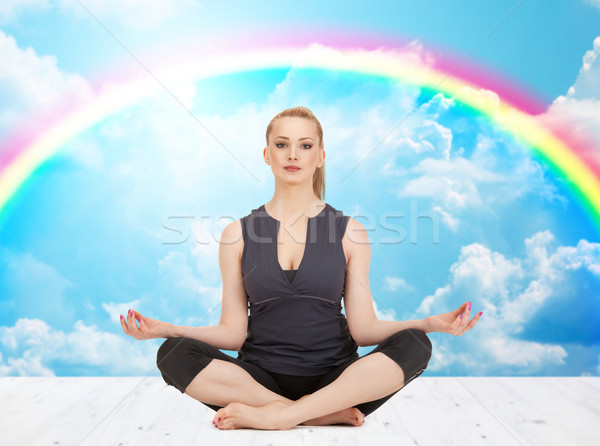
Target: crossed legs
(368, 378)
(244, 395)
(221, 383)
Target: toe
(218, 416)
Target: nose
(293, 151)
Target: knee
(426, 346)
(419, 344)
(168, 351)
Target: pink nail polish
(480, 313)
(469, 305)
(219, 419)
(460, 317)
(121, 316)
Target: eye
(280, 144)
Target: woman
(281, 309)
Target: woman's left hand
(452, 322)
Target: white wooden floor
(428, 411)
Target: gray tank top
(295, 325)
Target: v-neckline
(304, 254)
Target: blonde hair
(303, 112)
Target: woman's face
(293, 141)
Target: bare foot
(351, 416)
(238, 415)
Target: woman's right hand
(148, 329)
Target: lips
(292, 168)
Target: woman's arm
(364, 326)
(230, 333)
(219, 336)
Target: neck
(294, 201)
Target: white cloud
(432, 302)
(577, 114)
(584, 255)
(509, 292)
(452, 183)
(31, 82)
(399, 132)
(395, 283)
(27, 365)
(447, 217)
(490, 273)
(587, 84)
(523, 354)
(35, 90)
(457, 185)
(34, 345)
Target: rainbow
(502, 104)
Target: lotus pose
(285, 268)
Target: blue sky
(88, 238)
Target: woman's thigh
(180, 359)
(409, 348)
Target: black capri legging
(180, 359)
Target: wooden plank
(430, 410)
(439, 411)
(544, 410)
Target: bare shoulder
(355, 240)
(231, 237)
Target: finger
(142, 324)
(457, 312)
(458, 323)
(131, 323)
(124, 325)
(475, 319)
(466, 316)
(139, 317)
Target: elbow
(359, 340)
(240, 342)
(362, 334)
